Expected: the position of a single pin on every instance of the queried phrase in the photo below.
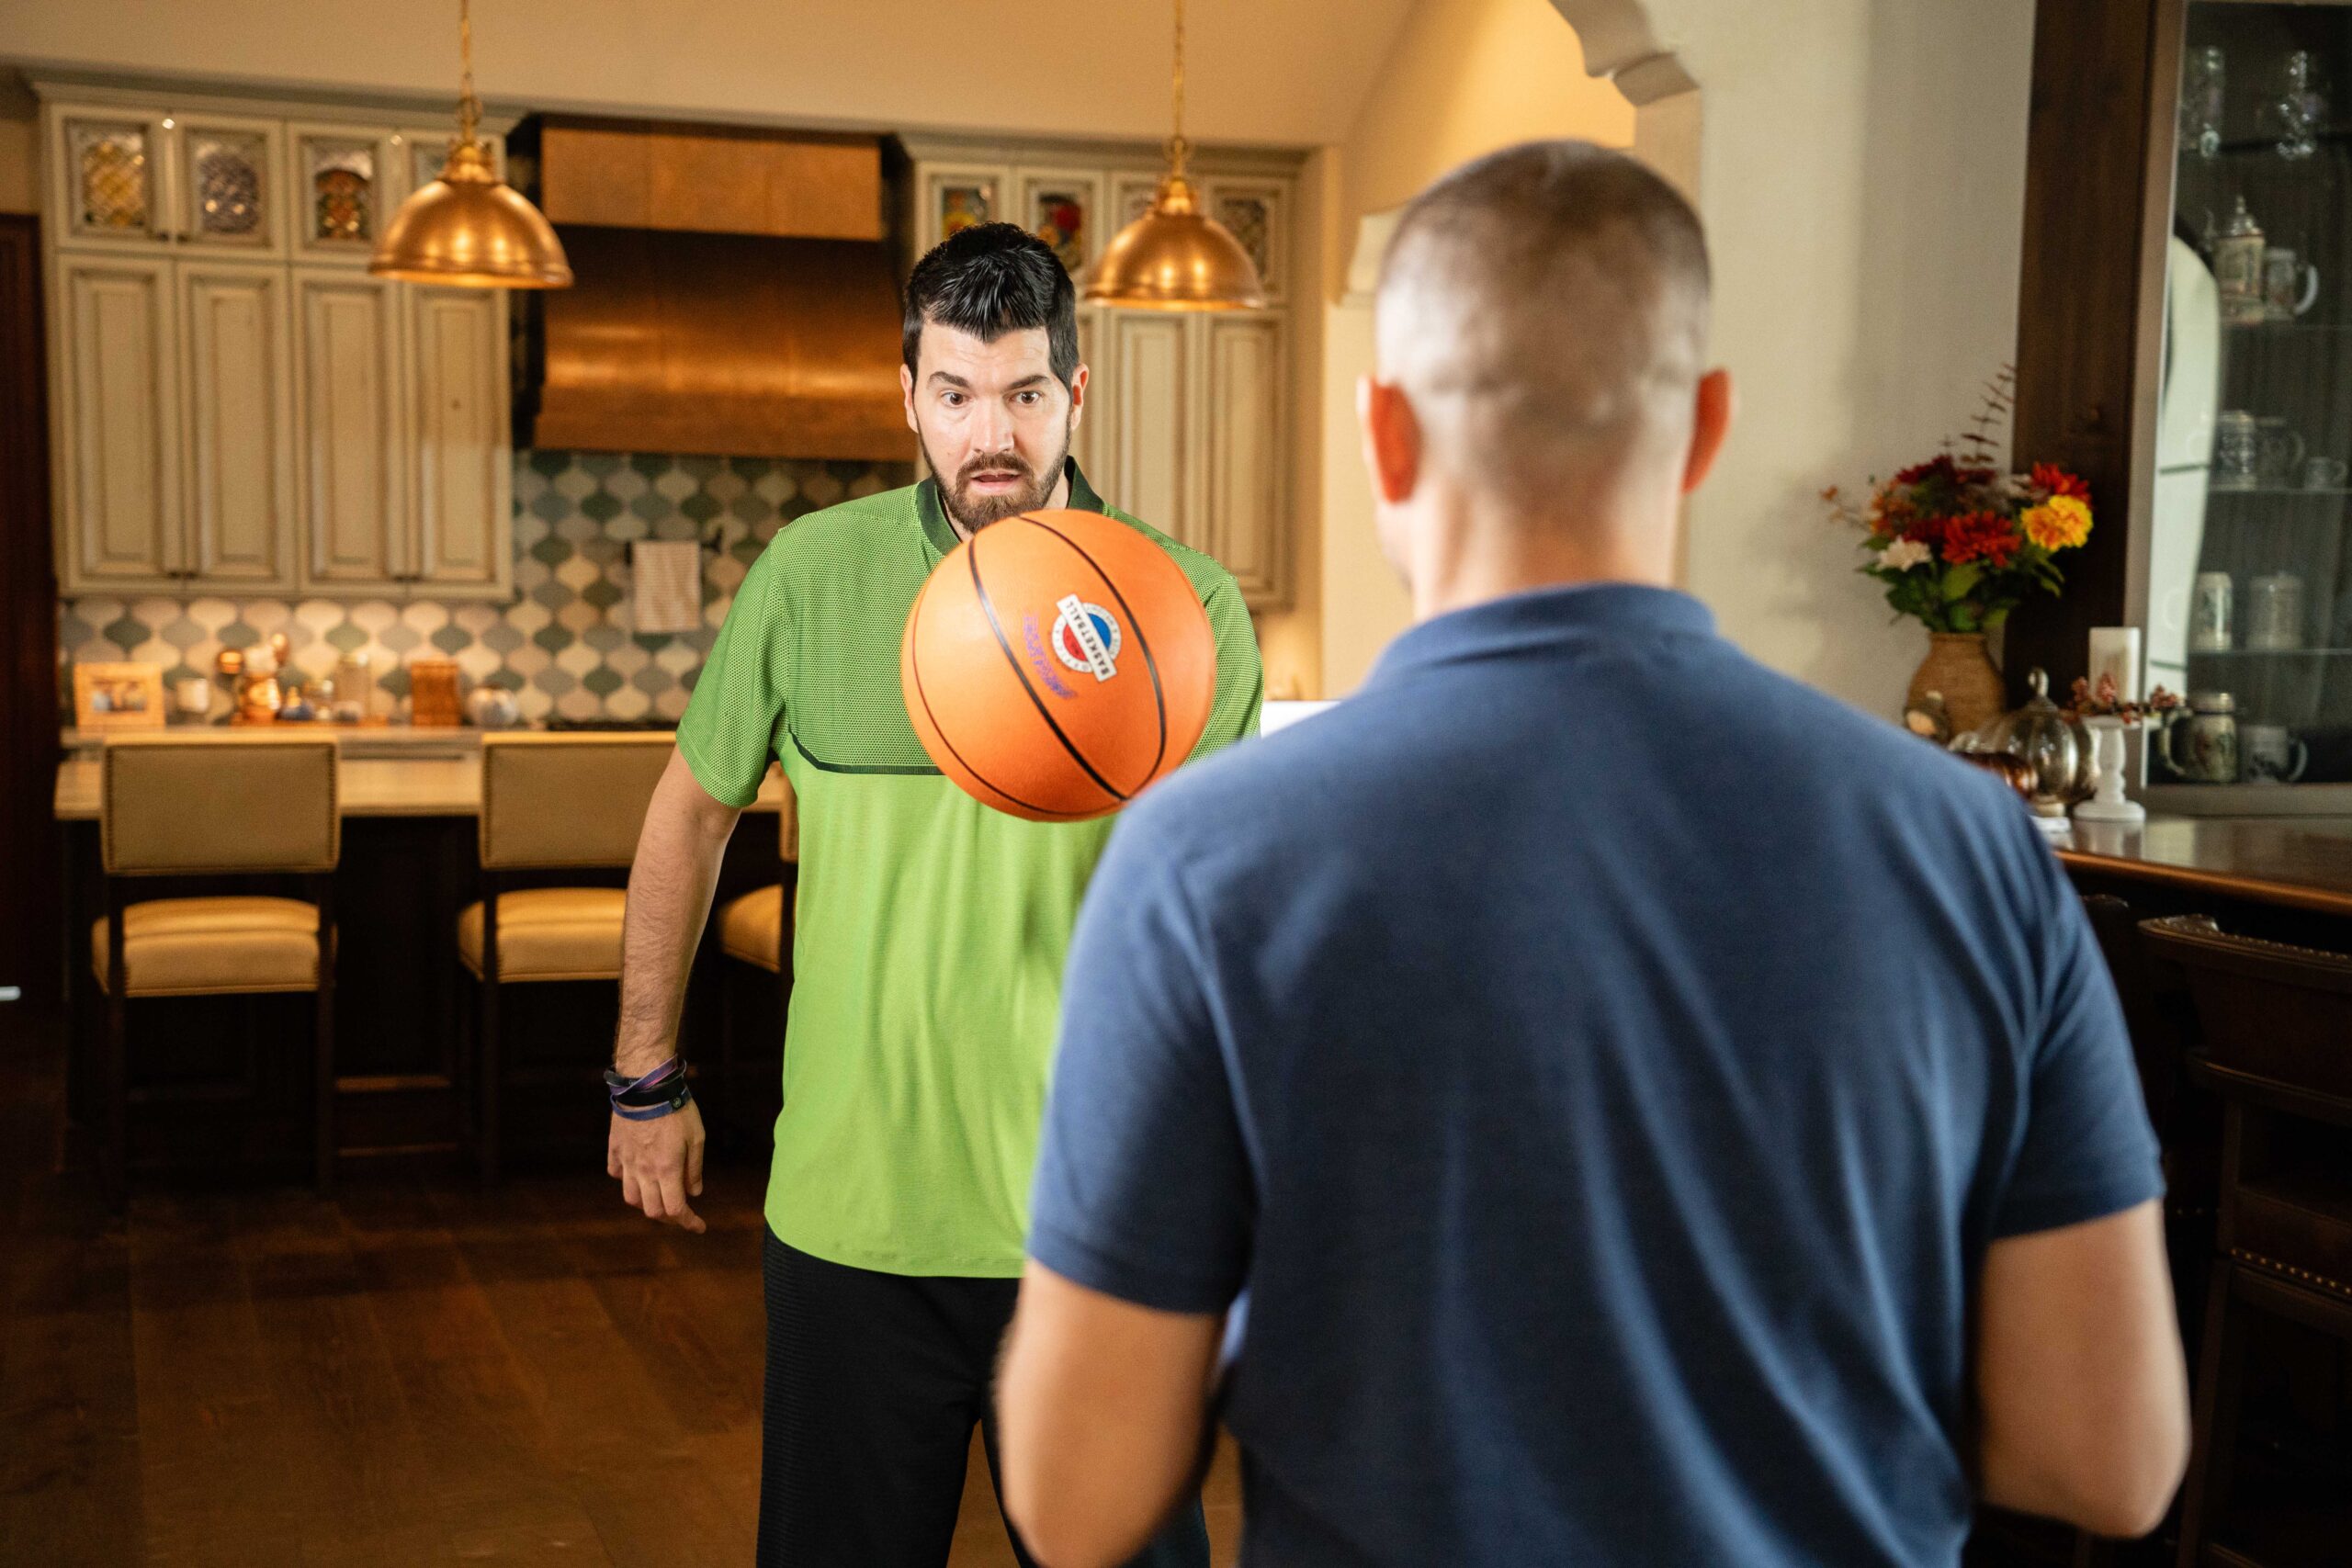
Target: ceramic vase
(1958, 666)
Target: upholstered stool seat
(550, 933)
(209, 805)
(194, 947)
(752, 928)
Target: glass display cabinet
(2247, 603)
(2185, 340)
(2240, 574)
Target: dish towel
(669, 585)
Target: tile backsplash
(564, 646)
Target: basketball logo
(1086, 637)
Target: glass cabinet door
(342, 189)
(2249, 606)
(226, 179)
(110, 182)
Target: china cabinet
(2186, 343)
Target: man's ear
(1392, 439)
(1078, 396)
(1711, 414)
(907, 391)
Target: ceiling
(1280, 72)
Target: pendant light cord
(469, 106)
(1176, 139)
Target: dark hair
(989, 280)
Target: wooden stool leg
(114, 1159)
(2221, 1374)
(486, 1054)
(323, 1051)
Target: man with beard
(928, 940)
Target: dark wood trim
(2091, 294)
(2318, 900)
(30, 939)
(323, 1078)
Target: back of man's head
(1544, 309)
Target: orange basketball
(1055, 663)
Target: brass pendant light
(1175, 257)
(469, 228)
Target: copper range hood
(736, 294)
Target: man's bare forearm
(670, 887)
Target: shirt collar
(939, 533)
(1542, 619)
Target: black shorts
(874, 1384)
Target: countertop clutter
(379, 776)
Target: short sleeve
(1143, 1188)
(727, 733)
(1240, 675)
(2086, 1149)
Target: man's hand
(659, 1165)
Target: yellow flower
(2058, 524)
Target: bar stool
(549, 802)
(2277, 1053)
(753, 930)
(259, 806)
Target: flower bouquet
(1958, 544)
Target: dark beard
(971, 513)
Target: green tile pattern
(565, 644)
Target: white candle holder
(2109, 804)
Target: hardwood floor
(411, 1373)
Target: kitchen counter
(446, 782)
(2295, 863)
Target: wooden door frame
(29, 921)
(2091, 302)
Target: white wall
(1862, 179)
(1462, 78)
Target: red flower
(2058, 481)
(1939, 467)
(1981, 536)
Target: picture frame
(125, 694)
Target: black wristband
(638, 1093)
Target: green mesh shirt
(928, 941)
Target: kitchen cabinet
(1239, 511)
(405, 457)
(354, 503)
(236, 399)
(343, 183)
(1186, 424)
(1148, 360)
(1195, 444)
(164, 179)
(242, 409)
(115, 353)
(462, 465)
(174, 380)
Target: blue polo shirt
(1596, 1065)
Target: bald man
(1586, 1100)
